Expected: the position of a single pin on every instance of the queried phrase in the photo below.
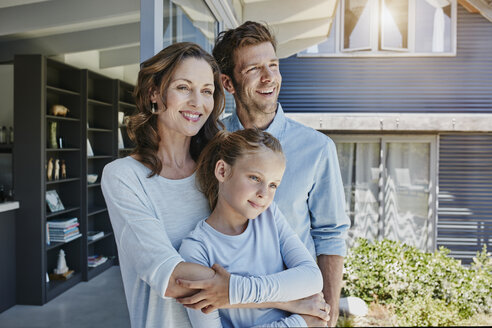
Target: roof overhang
(297, 24)
(484, 7)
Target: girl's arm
(301, 279)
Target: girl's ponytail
(205, 172)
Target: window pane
(432, 28)
(194, 24)
(406, 193)
(394, 24)
(357, 25)
(359, 165)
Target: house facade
(413, 126)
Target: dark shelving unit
(125, 104)
(39, 83)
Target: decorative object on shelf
(61, 266)
(92, 178)
(54, 202)
(49, 169)
(59, 110)
(121, 115)
(61, 272)
(52, 139)
(61, 143)
(89, 149)
(63, 169)
(57, 169)
(3, 135)
(121, 144)
(126, 119)
(11, 135)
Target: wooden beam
(468, 6)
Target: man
(311, 193)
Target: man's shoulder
(307, 134)
(228, 122)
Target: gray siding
(465, 194)
(420, 84)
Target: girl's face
(248, 188)
(190, 98)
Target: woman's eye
(208, 92)
(183, 87)
(273, 185)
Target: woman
(152, 198)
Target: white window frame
(432, 140)
(340, 52)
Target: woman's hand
(213, 294)
(314, 321)
(313, 305)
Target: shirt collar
(275, 128)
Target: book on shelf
(65, 239)
(94, 235)
(47, 234)
(62, 223)
(96, 260)
(61, 231)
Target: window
(389, 187)
(391, 28)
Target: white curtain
(438, 33)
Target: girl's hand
(314, 321)
(213, 294)
(314, 305)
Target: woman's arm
(214, 291)
(143, 241)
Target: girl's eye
(254, 178)
(273, 185)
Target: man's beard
(251, 107)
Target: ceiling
(104, 35)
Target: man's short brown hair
(249, 33)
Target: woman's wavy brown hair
(155, 75)
(229, 147)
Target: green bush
(424, 288)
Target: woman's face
(189, 97)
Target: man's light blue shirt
(311, 194)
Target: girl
(247, 234)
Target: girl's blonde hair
(229, 146)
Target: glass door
(389, 187)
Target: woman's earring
(152, 108)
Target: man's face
(257, 79)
